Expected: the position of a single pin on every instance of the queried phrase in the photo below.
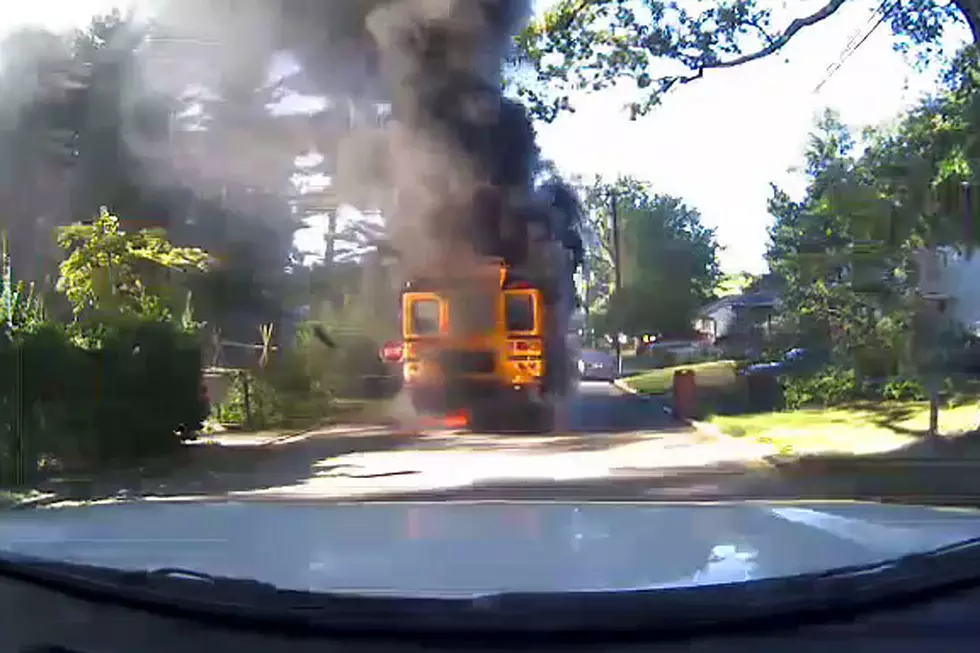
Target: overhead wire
(852, 46)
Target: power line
(882, 13)
(856, 35)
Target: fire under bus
(476, 349)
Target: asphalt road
(617, 446)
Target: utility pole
(617, 272)
(586, 278)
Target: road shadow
(720, 483)
(215, 469)
(597, 412)
(598, 422)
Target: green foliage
(134, 396)
(904, 390)
(655, 46)
(834, 386)
(150, 383)
(253, 401)
(301, 382)
(668, 259)
(108, 270)
(830, 387)
(847, 250)
(734, 284)
(21, 309)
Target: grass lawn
(712, 374)
(858, 429)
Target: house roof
(745, 300)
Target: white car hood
(473, 549)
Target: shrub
(148, 389)
(43, 400)
(835, 385)
(828, 387)
(135, 395)
(300, 384)
(904, 390)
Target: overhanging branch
(775, 44)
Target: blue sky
(718, 142)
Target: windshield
(340, 252)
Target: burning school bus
(480, 345)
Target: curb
(625, 387)
(771, 462)
(291, 436)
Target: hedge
(135, 395)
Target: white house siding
(718, 322)
(957, 277)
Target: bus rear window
(520, 311)
(424, 317)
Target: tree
(108, 270)
(847, 249)
(592, 44)
(736, 283)
(668, 259)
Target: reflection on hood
(467, 549)
(727, 564)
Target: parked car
(595, 365)
(794, 362)
(670, 353)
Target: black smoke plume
(461, 156)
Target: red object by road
(392, 351)
(685, 394)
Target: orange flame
(458, 420)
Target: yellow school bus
(476, 346)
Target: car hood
(471, 549)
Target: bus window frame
(534, 298)
(408, 318)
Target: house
(953, 280)
(745, 317)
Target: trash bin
(685, 394)
(765, 393)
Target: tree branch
(762, 32)
(776, 44)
